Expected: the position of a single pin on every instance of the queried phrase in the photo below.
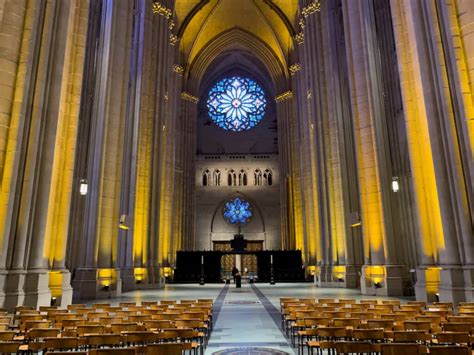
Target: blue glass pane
(238, 211)
(236, 104)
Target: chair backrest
(353, 347)
(457, 327)
(397, 349)
(103, 339)
(164, 349)
(332, 332)
(7, 335)
(368, 334)
(41, 333)
(9, 347)
(410, 336)
(90, 329)
(386, 324)
(105, 352)
(417, 325)
(449, 350)
(453, 338)
(61, 343)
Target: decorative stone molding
(299, 38)
(294, 68)
(178, 69)
(188, 97)
(171, 25)
(162, 10)
(173, 39)
(313, 7)
(309, 94)
(285, 96)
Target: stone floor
(244, 318)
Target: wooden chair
(457, 327)
(449, 350)
(452, 338)
(413, 336)
(141, 337)
(385, 324)
(352, 323)
(353, 347)
(126, 351)
(9, 347)
(158, 324)
(417, 325)
(90, 329)
(62, 343)
(164, 349)
(328, 337)
(118, 328)
(102, 339)
(398, 349)
(7, 335)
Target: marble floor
(245, 317)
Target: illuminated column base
(147, 278)
(379, 280)
(60, 286)
(97, 283)
(445, 284)
(337, 276)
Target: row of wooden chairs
(186, 323)
(150, 349)
(328, 324)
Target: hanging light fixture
(395, 184)
(83, 187)
(123, 223)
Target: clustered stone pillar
(438, 109)
(122, 235)
(42, 56)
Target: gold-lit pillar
(381, 273)
(436, 109)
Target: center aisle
(245, 318)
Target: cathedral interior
(135, 130)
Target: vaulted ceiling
(208, 28)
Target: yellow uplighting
(140, 273)
(339, 272)
(55, 283)
(432, 278)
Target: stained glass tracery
(237, 211)
(236, 104)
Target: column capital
(285, 96)
(160, 9)
(188, 97)
(294, 68)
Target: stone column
(435, 115)
(382, 272)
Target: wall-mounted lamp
(377, 285)
(83, 187)
(395, 184)
(106, 287)
(123, 223)
(340, 279)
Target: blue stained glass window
(238, 211)
(236, 104)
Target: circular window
(238, 211)
(236, 104)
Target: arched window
(206, 178)
(257, 177)
(242, 178)
(232, 178)
(217, 177)
(267, 178)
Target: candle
(202, 259)
(271, 259)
